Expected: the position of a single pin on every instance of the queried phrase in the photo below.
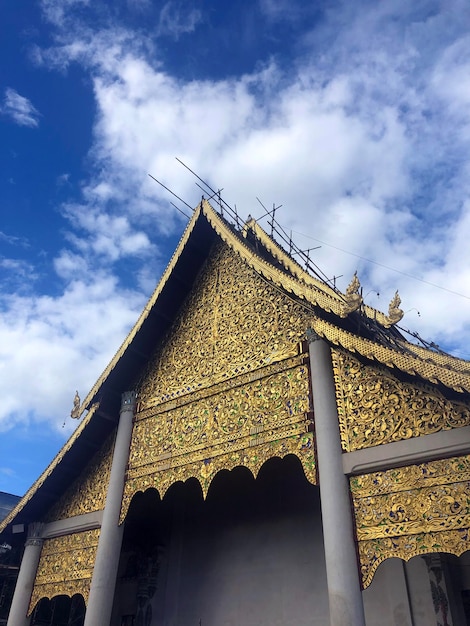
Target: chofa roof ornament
(75, 412)
(394, 312)
(352, 297)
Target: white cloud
(13, 240)
(70, 266)
(7, 471)
(53, 338)
(19, 109)
(284, 10)
(58, 11)
(176, 19)
(110, 237)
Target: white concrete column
(103, 582)
(26, 577)
(342, 572)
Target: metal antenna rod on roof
(272, 213)
(293, 248)
(210, 197)
(220, 203)
(334, 279)
(173, 194)
(306, 253)
(227, 206)
(178, 209)
(266, 211)
(311, 265)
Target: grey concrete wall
(419, 589)
(386, 599)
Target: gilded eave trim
(290, 265)
(292, 284)
(49, 469)
(456, 380)
(302, 275)
(148, 307)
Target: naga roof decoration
(366, 331)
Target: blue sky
(354, 116)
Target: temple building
(261, 450)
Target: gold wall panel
(243, 422)
(374, 407)
(65, 566)
(88, 492)
(227, 386)
(419, 509)
(233, 322)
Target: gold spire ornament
(394, 312)
(352, 297)
(75, 412)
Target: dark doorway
(60, 611)
(251, 553)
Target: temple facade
(261, 450)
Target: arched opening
(252, 552)
(427, 589)
(59, 611)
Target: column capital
(312, 335)
(128, 399)
(34, 537)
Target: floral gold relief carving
(204, 469)
(374, 551)
(229, 386)
(233, 322)
(88, 492)
(412, 510)
(374, 407)
(65, 566)
(245, 424)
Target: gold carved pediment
(87, 493)
(229, 385)
(233, 322)
(375, 407)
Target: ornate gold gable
(420, 509)
(66, 566)
(88, 492)
(374, 407)
(228, 387)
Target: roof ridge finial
(352, 297)
(394, 312)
